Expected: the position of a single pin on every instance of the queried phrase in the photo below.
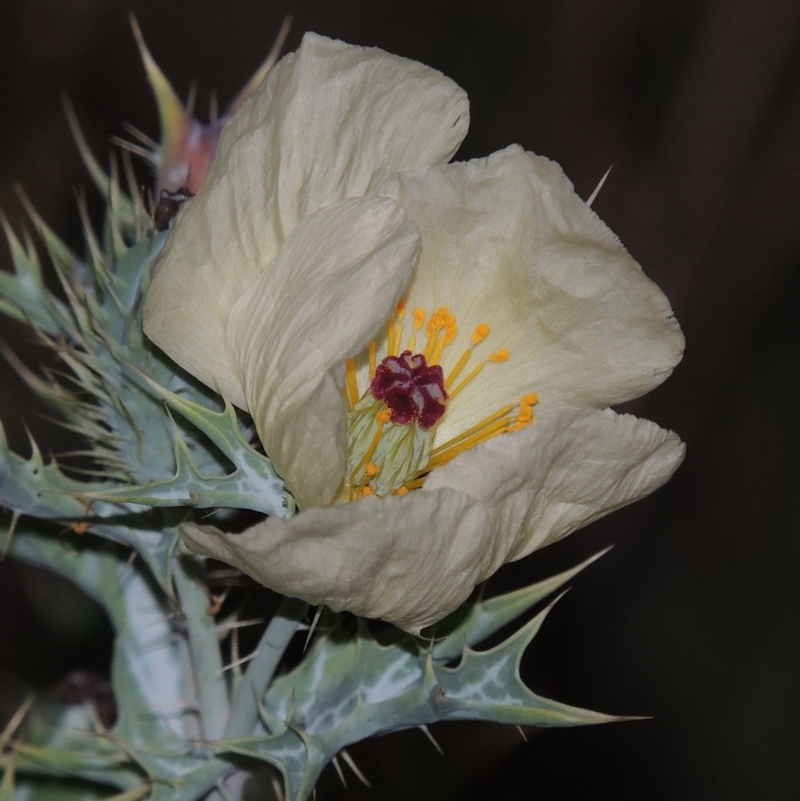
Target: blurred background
(694, 616)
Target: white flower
(474, 370)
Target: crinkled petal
(407, 560)
(331, 121)
(561, 473)
(411, 560)
(340, 275)
(506, 241)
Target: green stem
(261, 669)
(203, 643)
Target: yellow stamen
(372, 359)
(460, 364)
(419, 319)
(487, 428)
(441, 332)
(478, 335)
(396, 329)
(500, 427)
(351, 384)
(472, 373)
(382, 418)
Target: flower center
(392, 426)
(413, 391)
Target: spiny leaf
(188, 487)
(352, 686)
(34, 489)
(257, 485)
(486, 685)
(22, 293)
(474, 623)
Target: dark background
(693, 617)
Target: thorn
(349, 760)
(522, 733)
(427, 732)
(16, 721)
(141, 137)
(132, 147)
(599, 186)
(169, 105)
(277, 788)
(313, 626)
(255, 81)
(15, 517)
(335, 763)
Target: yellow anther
(383, 416)
(419, 319)
(442, 321)
(500, 356)
(371, 469)
(401, 491)
(480, 333)
(525, 415)
(401, 307)
(366, 491)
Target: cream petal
(333, 285)
(196, 282)
(561, 473)
(506, 241)
(409, 561)
(330, 121)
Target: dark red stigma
(411, 389)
